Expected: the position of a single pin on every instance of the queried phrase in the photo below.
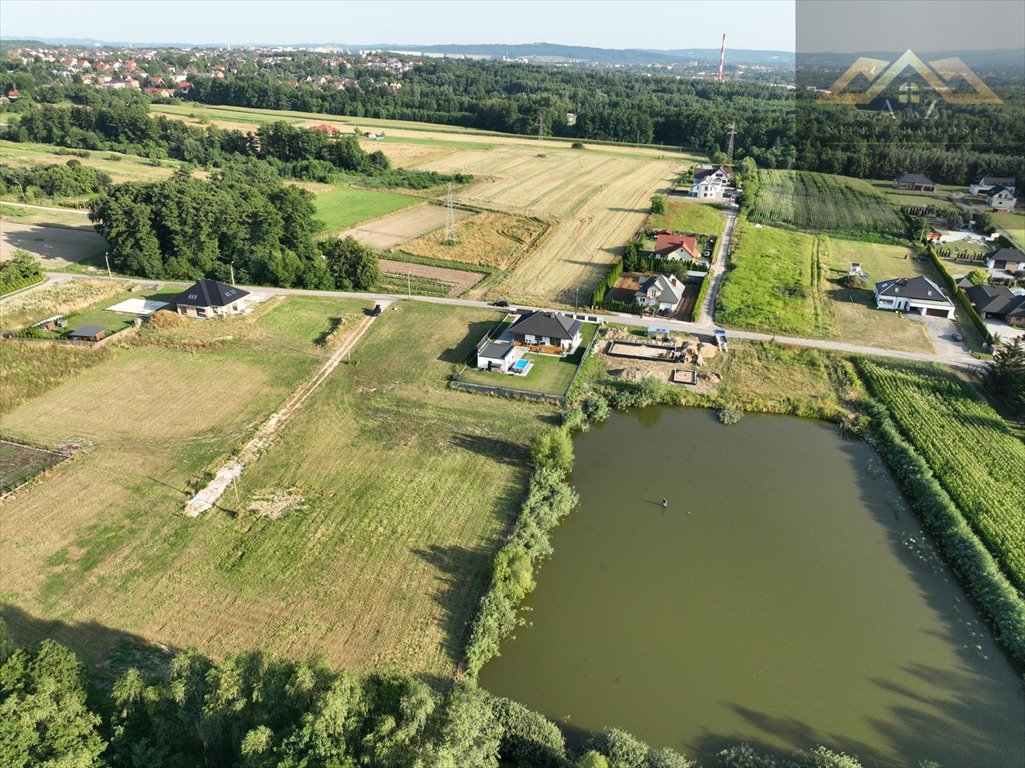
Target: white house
(913, 294)
(1000, 198)
(1009, 259)
(710, 183)
(210, 298)
(499, 356)
(988, 182)
(661, 292)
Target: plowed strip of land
(595, 202)
(461, 281)
(388, 231)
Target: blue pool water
(519, 365)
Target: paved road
(611, 317)
(717, 271)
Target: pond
(785, 597)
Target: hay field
(372, 519)
(593, 201)
(488, 239)
(386, 232)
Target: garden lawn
(1013, 224)
(348, 206)
(550, 375)
(407, 488)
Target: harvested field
(595, 202)
(56, 247)
(488, 239)
(395, 229)
(459, 280)
(20, 463)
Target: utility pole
(540, 127)
(409, 287)
(232, 273)
(106, 258)
(451, 236)
(729, 146)
(238, 504)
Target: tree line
(51, 180)
(251, 711)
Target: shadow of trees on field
(55, 242)
(461, 352)
(497, 449)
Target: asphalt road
(698, 328)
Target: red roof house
(677, 247)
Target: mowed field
(594, 202)
(399, 491)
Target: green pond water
(786, 598)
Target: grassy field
(776, 282)
(968, 446)
(549, 376)
(1013, 224)
(342, 208)
(60, 298)
(822, 202)
(488, 239)
(121, 167)
(397, 492)
(690, 216)
(30, 369)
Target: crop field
(488, 239)
(390, 231)
(593, 202)
(397, 273)
(969, 448)
(821, 202)
(20, 463)
(366, 530)
(345, 207)
(690, 216)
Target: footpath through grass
(969, 448)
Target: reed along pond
(786, 597)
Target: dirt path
(259, 442)
(718, 270)
(461, 281)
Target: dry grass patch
(489, 239)
(59, 298)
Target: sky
(757, 24)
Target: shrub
(529, 738)
(595, 407)
(553, 448)
(730, 415)
(978, 276)
(577, 145)
(658, 204)
(574, 420)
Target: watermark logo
(938, 77)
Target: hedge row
(607, 284)
(962, 549)
(960, 297)
(549, 498)
(17, 285)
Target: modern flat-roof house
(1000, 198)
(660, 292)
(677, 247)
(1009, 259)
(501, 356)
(997, 302)
(710, 183)
(210, 298)
(988, 182)
(549, 329)
(88, 333)
(915, 181)
(913, 294)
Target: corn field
(823, 203)
(969, 448)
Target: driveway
(941, 333)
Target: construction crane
(722, 56)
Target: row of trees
(69, 180)
(20, 270)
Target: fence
(960, 297)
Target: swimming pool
(520, 366)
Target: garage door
(936, 312)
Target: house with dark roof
(549, 329)
(913, 294)
(676, 247)
(499, 356)
(1000, 198)
(1009, 259)
(997, 302)
(660, 292)
(210, 298)
(988, 182)
(915, 181)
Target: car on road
(376, 310)
(957, 337)
(500, 303)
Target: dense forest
(250, 711)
